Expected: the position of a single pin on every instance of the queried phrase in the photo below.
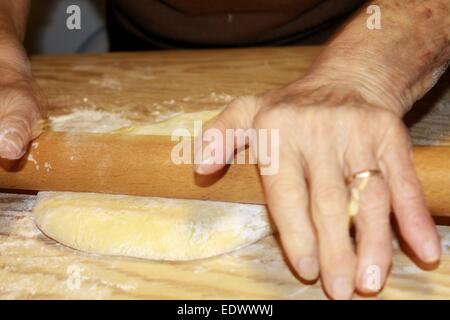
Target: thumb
(213, 149)
(20, 122)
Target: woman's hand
(327, 133)
(22, 107)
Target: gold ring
(363, 175)
(356, 189)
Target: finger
(329, 200)
(370, 197)
(414, 219)
(374, 249)
(374, 242)
(287, 198)
(211, 154)
(19, 123)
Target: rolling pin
(141, 165)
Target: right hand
(22, 109)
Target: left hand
(327, 133)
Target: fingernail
(430, 251)
(308, 268)
(11, 146)
(342, 288)
(200, 168)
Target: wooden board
(35, 267)
(140, 87)
(144, 87)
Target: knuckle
(397, 132)
(13, 99)
(238, 113)
(339, 256)
(241, 103)
(274, 117)
(285, 193)
(387, 117)
(265, 119)
(328, 193)
(408, 187)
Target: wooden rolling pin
(141, 165)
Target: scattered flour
(169, 102)
(21, 226)
(95, 121)
(47, 166)
(16, 202)
(88, 121)
(30, 158)
(220, 97)
(90, 103)
(107, 83)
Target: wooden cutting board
(145, 87)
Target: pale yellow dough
(150, 228)
(178, 121)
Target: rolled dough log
(150, 228)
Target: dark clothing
(159, 24)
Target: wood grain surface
(145, 87)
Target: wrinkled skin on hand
(22, 108)
(327, 133)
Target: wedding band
(356, 189)
(363, 175)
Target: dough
(179, 121)
(150, 228)
(93, 121)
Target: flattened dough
(150, 228)
(179, 121)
